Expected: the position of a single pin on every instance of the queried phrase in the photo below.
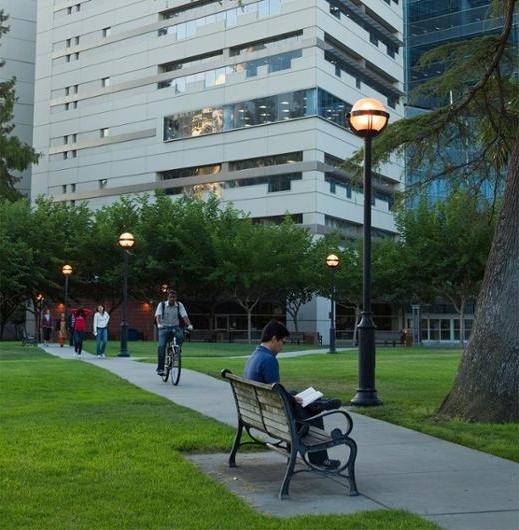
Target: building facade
(245, 100)
(18, 52)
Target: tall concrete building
(246, 100)
(18, 51)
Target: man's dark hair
(274, 329)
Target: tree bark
(486, 387)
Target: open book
(309, 396)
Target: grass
(412, 382)
(148, 350)
(82, 449)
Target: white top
(101, 320)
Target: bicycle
(173, 361)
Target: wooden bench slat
(268, 414)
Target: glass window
(434, 329)
(445, 329)
(332, 108)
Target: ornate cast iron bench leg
(351, 466)
(283, 492)
(236, 445)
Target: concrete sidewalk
(397, 468)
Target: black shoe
(330, 464)
(160, 372)
(331, 404)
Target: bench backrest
(263, 407)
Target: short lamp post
(332, 262)
(367, 119)
(126, 242)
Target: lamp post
(67, 271)
(39, 307)
(126, 242)
(332, 262)
(367, 119)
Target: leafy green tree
(14, 154)
(484, 114)
(296, 277)
(445, 248)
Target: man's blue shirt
(262, 366)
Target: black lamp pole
(126, 242)
(124, 321)
(367, 119)
(332, 315)
(332, 261)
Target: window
(67, 58)
(260, 111)
(78, 8)
(65, 139)
(65, 155)
(76, 89)
(105, 81)
(105, 132)
(74, 104)
(194, 171)
(74, 153)
(103, 183)
(67, 90)
(76, 40)
(287, 38)
(67, 106)
(69, 10)
(264, 161)
(76, 56)
(74, 138)
(69, 42)
(63, 188)
(73, 188)
(106, 32)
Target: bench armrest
(347, 418)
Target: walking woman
(79, 332)
(101, 319)
(46, 326)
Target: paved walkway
(397, 468)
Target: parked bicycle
(173, 361)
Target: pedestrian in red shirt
(79, 332)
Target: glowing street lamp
(332, 262)
(367, 119)
(126, 242)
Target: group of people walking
(75, 326)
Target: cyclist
(171, 317)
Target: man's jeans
(166, 333)
(101, 340)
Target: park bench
(268, 410)
(26, 338)
(387, 337)
(201, 335)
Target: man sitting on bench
(262, 366)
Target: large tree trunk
(486, 387)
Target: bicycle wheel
(175, 367)
(167, 362)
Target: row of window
(446, 329)
(292, 105)
(218, 76)
(185, 30)
(234, 165)
(71, 188)
(341, 9)
(274, 183)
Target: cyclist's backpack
(181, 323)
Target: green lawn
(148, 349)
(412, 382)
(82, 449)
